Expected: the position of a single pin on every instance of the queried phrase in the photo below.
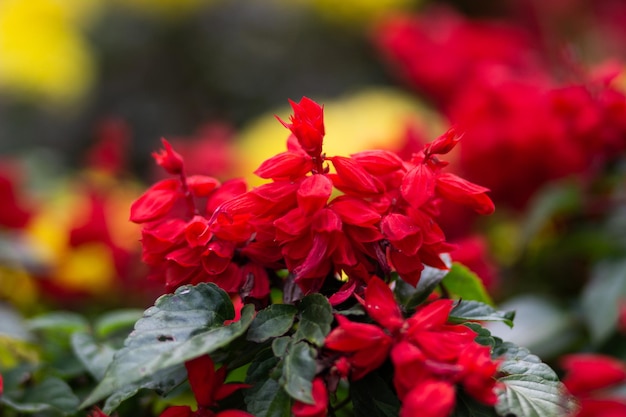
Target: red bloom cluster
(372, 214)
(590, 377)
(208, 387)
(429, 355)
(491, 80)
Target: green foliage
(374, 397)
(462, 283)
(530, 387)
(466, 311)
(179, 327)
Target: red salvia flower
(319, 408)
(307, 125)
(208, 388)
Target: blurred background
(88, 88)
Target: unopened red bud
(168, 158)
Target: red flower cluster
(590, 377)
(373, 213)
(491, 80)
(208, 387)
(429, 355)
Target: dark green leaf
(601, 296)
(530, 388)
(280, 345)
(94, 356)
(272, 321)
(533, 396)
(179, 327)
(466, 285)
(476, 311)
(431, 277)
(373, 397)
(52, 394)
(298, 372)
(266, 398)
(162, 382)
(484, 336)
(316, 316)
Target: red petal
(228, 190)
(320, 398)
(354, 176)
(354, 211)
(285, 165)
(381, 305)
(313, 193)
(233, 413)
(197, 232)
(458, 190)
(402, 232)
(444, 143)
(201, 373)
(169, 159)
(326, 221)
(418, 185)
(378, 162)
(177, 411)
(429, 399)
(201, 185)
(430, 315)
(589, 372)
(155, 202)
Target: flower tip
(168, 158)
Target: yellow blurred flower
(375, 118)
(43, 51)
(359, 11)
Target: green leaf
(179, 327)
(94, 356)
(266, 398)
(519, 361)
(316, 316)
(162, 382)
(533, 396)
(476, 311)
(429, 280)
(298, 372)
(373, 397)
(484, 336)
(52, 394)
(272, 321)
(59, 322)
(280, 345)
(530, 388)
(600, 299)
(116, 321)
(466, 285)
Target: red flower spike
(381, 305)
(319, 408)
(458, 190)
(156, 202)
(589, 372)
(169, 159)
(307, 125)
(443, 144)
(96, 412)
